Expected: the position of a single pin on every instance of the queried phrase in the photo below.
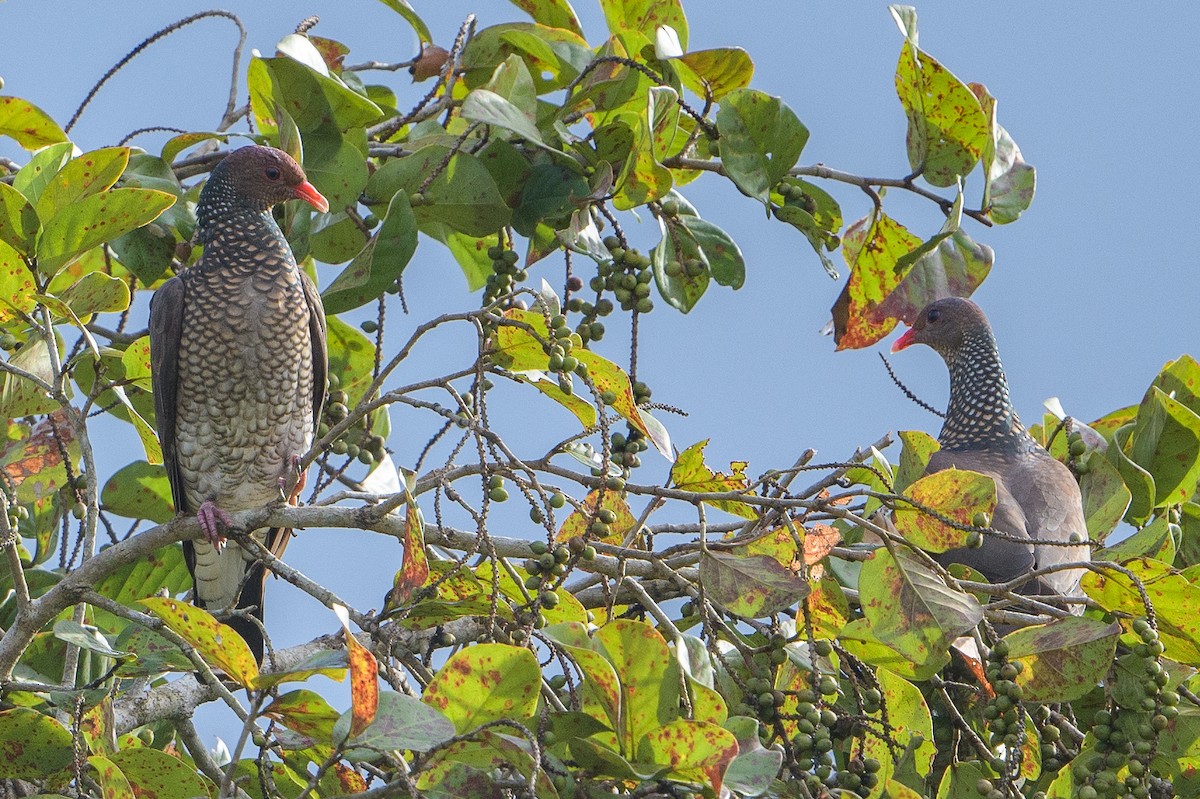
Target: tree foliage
(721, 633)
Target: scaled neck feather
(981, 414)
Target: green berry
(498, 494)
(557, 500)
(539, 547)
(548, 598)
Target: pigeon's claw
(212, 519)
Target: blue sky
(1092, 291)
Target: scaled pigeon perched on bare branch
(237, 347)
(1037, 499)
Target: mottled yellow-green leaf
(32, 745)
(217, 643)
(712, 74)
(958, 495)
(1063, 660)
(83, 176)
(872, 248)
(698, 751)
(94, 220)
(486, 682)
(29, 125)
(691, 474)
(154, 773)
(18, 220)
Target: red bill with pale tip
(307, 192)
(904, 341)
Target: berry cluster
(357, 442)
(505, 273)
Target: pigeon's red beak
(906, 340)
(305, 191)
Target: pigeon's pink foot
(211, 520)
(298, 486)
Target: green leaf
(910, 608)
(88, 174)
(908, 715)
(463, 196)
(85, 636)
(721, 253)
(712, 74)
(555, 56)
(1063, 660)
(351, 358)
(1176, 603)
(486, 682)
(29, 125)
(94, 220)
(1009, 181)
(1105, 496)
(139, 491)
(649, 679)
(336, 238)
(401, 722)
(947, 129)
(873, 247)
(336, 164)
(679, 286)
(380, 263)
(485, 106)
(113, 784)
(18, 221)
(32, 745)
(918, 448)
(550, 194)
(219, 644)
(314, 100)
(32, 179)
(815, 214)
(177, 144)
(1166, 442)
(958, 495)
(1139, 482)
(752, 586)
(146, 251)
(761, 139)
(1149, 542)
(405, 10)
(698, 751)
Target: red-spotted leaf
(645, 16)
(154, 773)
(1176, 602)
(113, 784)
(1063, 660)
(18, 292)
(18, 220)
(32, 745)
(364, 678)
(83, 176)
(1166, 443)
(601, 686)
(698, 751)
(552, 14)
(78, 227)
(955, 267)
(484, 683)
(918, 448)
(947, 129)
(872, 247)
(32, 127)
(217, 643)
(691, 474)
(712, 74)
(581, 518)
(956, 494)
(304, 712)
(750, 586)
(910, 608)
(649, 677)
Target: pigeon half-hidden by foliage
(1038, 503)
(239, 363)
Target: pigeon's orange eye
(933, 315)
(272, 173)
